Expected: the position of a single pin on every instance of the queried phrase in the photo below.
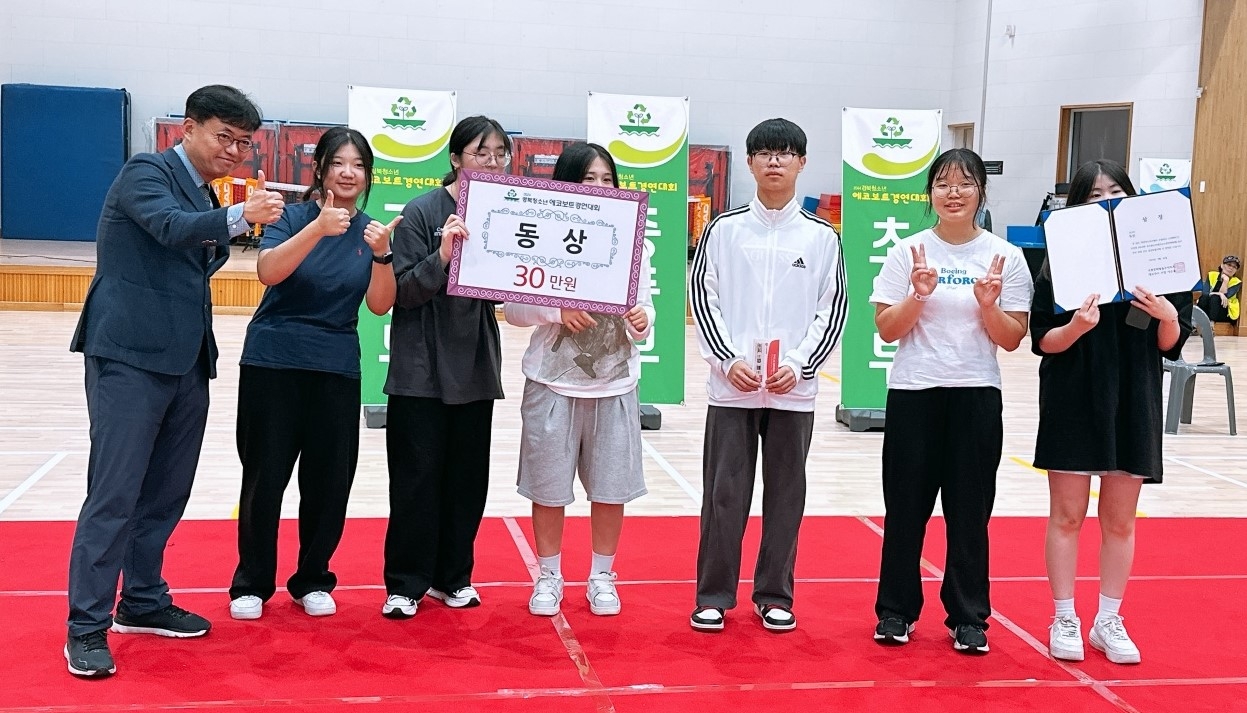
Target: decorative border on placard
(465, 180)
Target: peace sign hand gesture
(923, 278)
(987, 288)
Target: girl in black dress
(1100, 414)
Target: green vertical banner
(409, 132)
(886, 156)
(648, 138)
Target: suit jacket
(159, 241)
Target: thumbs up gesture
(263, 206)
(378, 236)
(332, 220)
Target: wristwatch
(385, 259)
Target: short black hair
(468, 131)
(225, 103)
(332, 140)
(576, 159)
(970, 165)
(775, 135)
(1083, 182)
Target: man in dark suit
(146, 334)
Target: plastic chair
(1182, 378)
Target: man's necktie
(209, 195)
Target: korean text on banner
(409, 132)
(648, 138)
(886, 156)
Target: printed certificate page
(1080, 255)
(1156, 242)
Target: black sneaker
(893, 630)
(707, 619)
(172, 621)
(88, 655)
(969, 638)
(776, 617)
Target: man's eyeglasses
(943, 189)
(484, 158)
(782, 157)
(226, 139)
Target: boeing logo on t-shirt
(953, 276)
(799, 263)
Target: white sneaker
(603, 599)
(317, 603)
(1065, 638)
(459, 599)
(1109, 635)
(246, 607)
(398, 607)
(547, 594)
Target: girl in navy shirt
(299, 385)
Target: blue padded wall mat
(60, 149)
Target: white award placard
(549, 243)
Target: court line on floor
(562, 627)
(1083, 677)
(645, 689)
(1205, 471)
(29, 482)
(680, 480)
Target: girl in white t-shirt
(951, 295)
(581, 415)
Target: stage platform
(53, 275)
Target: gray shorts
(599, 438)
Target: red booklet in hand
(765, 357)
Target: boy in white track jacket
(770, 302)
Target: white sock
(1108, 607)
(1064, 607)
(602, 563)
(552, 563)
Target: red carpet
(499, 658)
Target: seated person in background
(1220, 300)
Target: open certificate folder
(1108, 248)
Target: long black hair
(1083, 182)
(576, 159)
(332, 140)
(970, 165)
(473, 129)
